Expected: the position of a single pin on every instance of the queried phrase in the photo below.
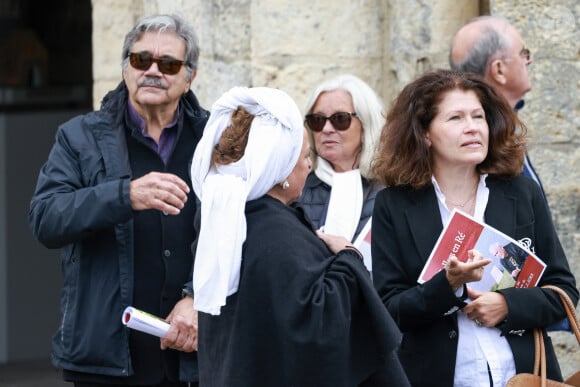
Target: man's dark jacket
(81, 205)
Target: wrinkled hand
(160, 191)
(459, 273)
(489, 308)
(334, 242)
(182, 333)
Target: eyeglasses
(525, 53)
(144, 60)
(340, 121)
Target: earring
(285, 185)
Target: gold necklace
(469, 199)
(461, 205)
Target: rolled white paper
(144, 322)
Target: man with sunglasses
(491, 47)
(115, 196)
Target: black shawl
(301, 317)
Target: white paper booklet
(144, 322)
(363, 244)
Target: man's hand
(182, 333)
(160, 191)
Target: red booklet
(513, 264)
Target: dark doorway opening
(46, 59)
(45, 79)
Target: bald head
(489, 46)
(477, 41)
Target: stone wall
(293, 45)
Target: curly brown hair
(232, 144)
(403, 157)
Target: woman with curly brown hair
(452, 142)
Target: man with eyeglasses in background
(491, 47)
(115, 196)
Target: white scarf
(346, 199)
(273, 148)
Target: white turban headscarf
(273, 147)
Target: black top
(406, 225)
(301, 317)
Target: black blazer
(406, 226)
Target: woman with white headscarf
(278, 306)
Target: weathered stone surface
(550, 29)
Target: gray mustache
(151, 81)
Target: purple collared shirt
(167, 138)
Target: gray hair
(162, 23)
(369, 109)
(491, 42)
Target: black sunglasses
(144, 60)
(340, 121)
